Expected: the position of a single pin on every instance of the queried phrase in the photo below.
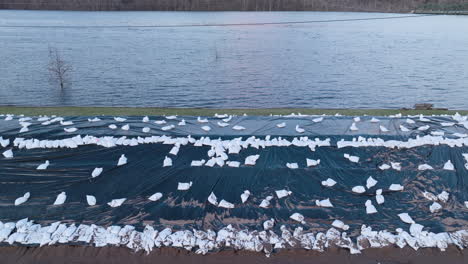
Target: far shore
(384, 6)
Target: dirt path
(82, 254)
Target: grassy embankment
(93, 111)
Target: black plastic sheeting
(70, 172)
(334, 127)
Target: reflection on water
(368, 64)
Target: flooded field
(128, 59)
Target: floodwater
(118, 59)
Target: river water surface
(121, 59)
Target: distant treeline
(235, 5)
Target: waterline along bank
(87, 111)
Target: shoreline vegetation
(396, 6)
(92, 111)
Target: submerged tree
(59, 70)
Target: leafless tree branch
(58, 68)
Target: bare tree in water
(59, 70)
